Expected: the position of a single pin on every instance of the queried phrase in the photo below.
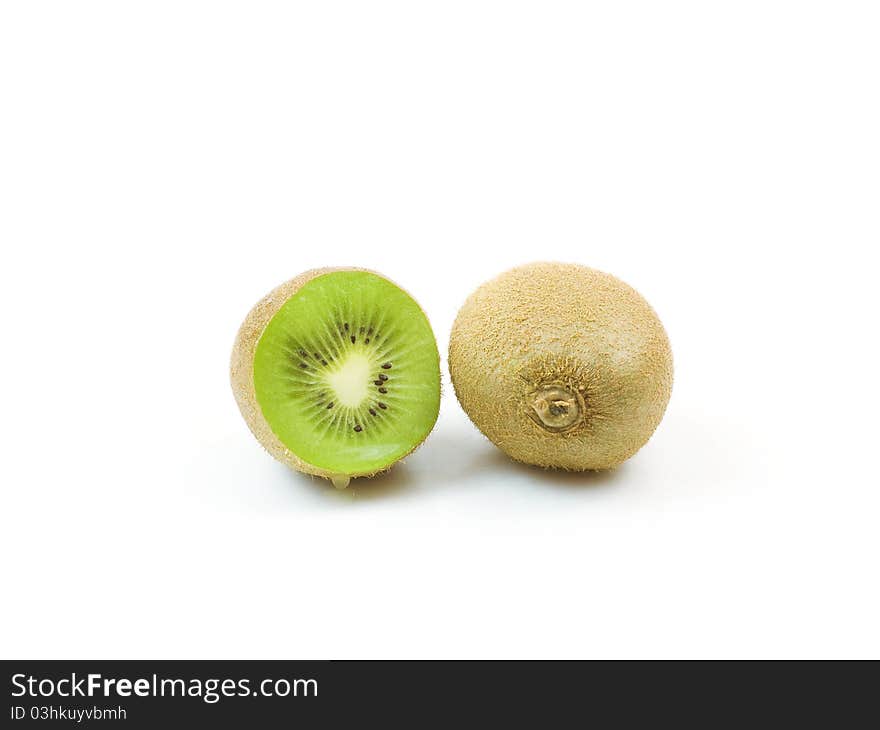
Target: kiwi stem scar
(555, 407)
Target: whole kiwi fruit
(337, 373)
(561, 366)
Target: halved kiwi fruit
(337, 373)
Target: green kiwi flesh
(346, 374)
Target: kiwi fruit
(337, 373)
(561, 366)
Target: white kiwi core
(350, 381)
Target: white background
(164, 164)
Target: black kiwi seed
(346, 326)
(386, 365)
(352, 339)
(377, 382)
(383, 377)
(383, 390)
(361, 330)
(372, 412)
(370, 331)
(330, 404)
(358, 429)
(303, 365)
(367, 340)
(323, 362)
(303, 353)
(381, 405)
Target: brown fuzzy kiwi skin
(242, 375)
(550, 325)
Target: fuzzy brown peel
(561, 366)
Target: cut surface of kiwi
(345, 374)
